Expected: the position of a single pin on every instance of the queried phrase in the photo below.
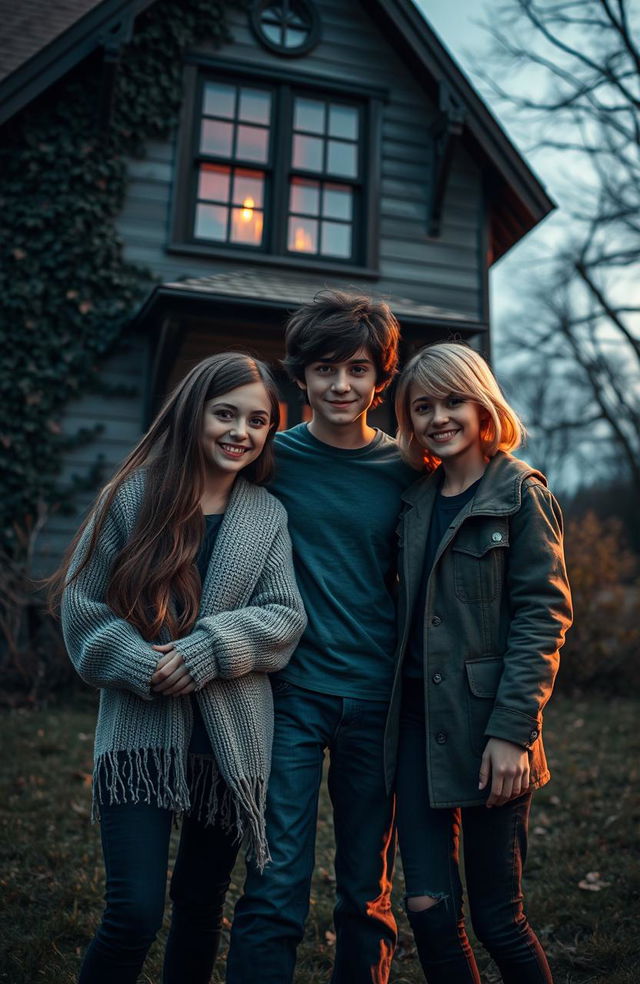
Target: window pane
(219, 100)
(273, 32)
(307, 152)
(303, 235)
(293, 38)
(343, 121)
(214, 182)
(342, 159)
(246, 226)
(255, 106)
(248, 188)
(216, 138)
(305, 196)
(252, 143)
(336, 239)
(309, 115)
(211, 222)
(337, 202)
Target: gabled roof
(520, 200)
(279, 292)
(42, 40)
(29, 27)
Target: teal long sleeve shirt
(343, 508)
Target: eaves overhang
(270, 301)
(91, 31)
(518, 198)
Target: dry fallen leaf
(78, 808)
(592, 882)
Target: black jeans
(495, 848)
(269, 918)
(135, 842)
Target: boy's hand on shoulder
(171, 677)
(507, 766)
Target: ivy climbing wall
(66, 292)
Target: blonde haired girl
(450, 367)
(483, 609)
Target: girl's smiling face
(448, 427)
(235, 428)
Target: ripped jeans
(495, 847)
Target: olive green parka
(497, 608)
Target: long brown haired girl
(178, 599)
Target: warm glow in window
(325, 145)
(279, 169)
(247, 224)
(320, 218)
(235, 131)
(231, 205)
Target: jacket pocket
(479, 551)
(483, 680)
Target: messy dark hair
(336, 324)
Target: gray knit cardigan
(251, 617)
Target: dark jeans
(495, 848)
(135, 842)
(269, 918)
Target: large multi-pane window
(278, 171)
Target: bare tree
(574, 342)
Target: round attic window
(288, 27)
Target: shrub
(602, 646)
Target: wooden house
(330, 143)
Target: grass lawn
(582, 883)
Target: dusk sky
(455, 21)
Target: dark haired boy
(340, 480)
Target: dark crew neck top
(200, 744)
(445, 510)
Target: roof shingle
(28, 26)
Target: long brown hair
(155, 568)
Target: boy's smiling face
(340, 392)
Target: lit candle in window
(302, 240)
(247, 223)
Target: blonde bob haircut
(452, 367)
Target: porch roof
(277, 293)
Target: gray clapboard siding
(121, 420)
(352, 48)
(159, 172)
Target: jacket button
(496, 537)
(441, 738)
(533, 735)
(437, 677)
(436, 620)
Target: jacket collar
(499, 492)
